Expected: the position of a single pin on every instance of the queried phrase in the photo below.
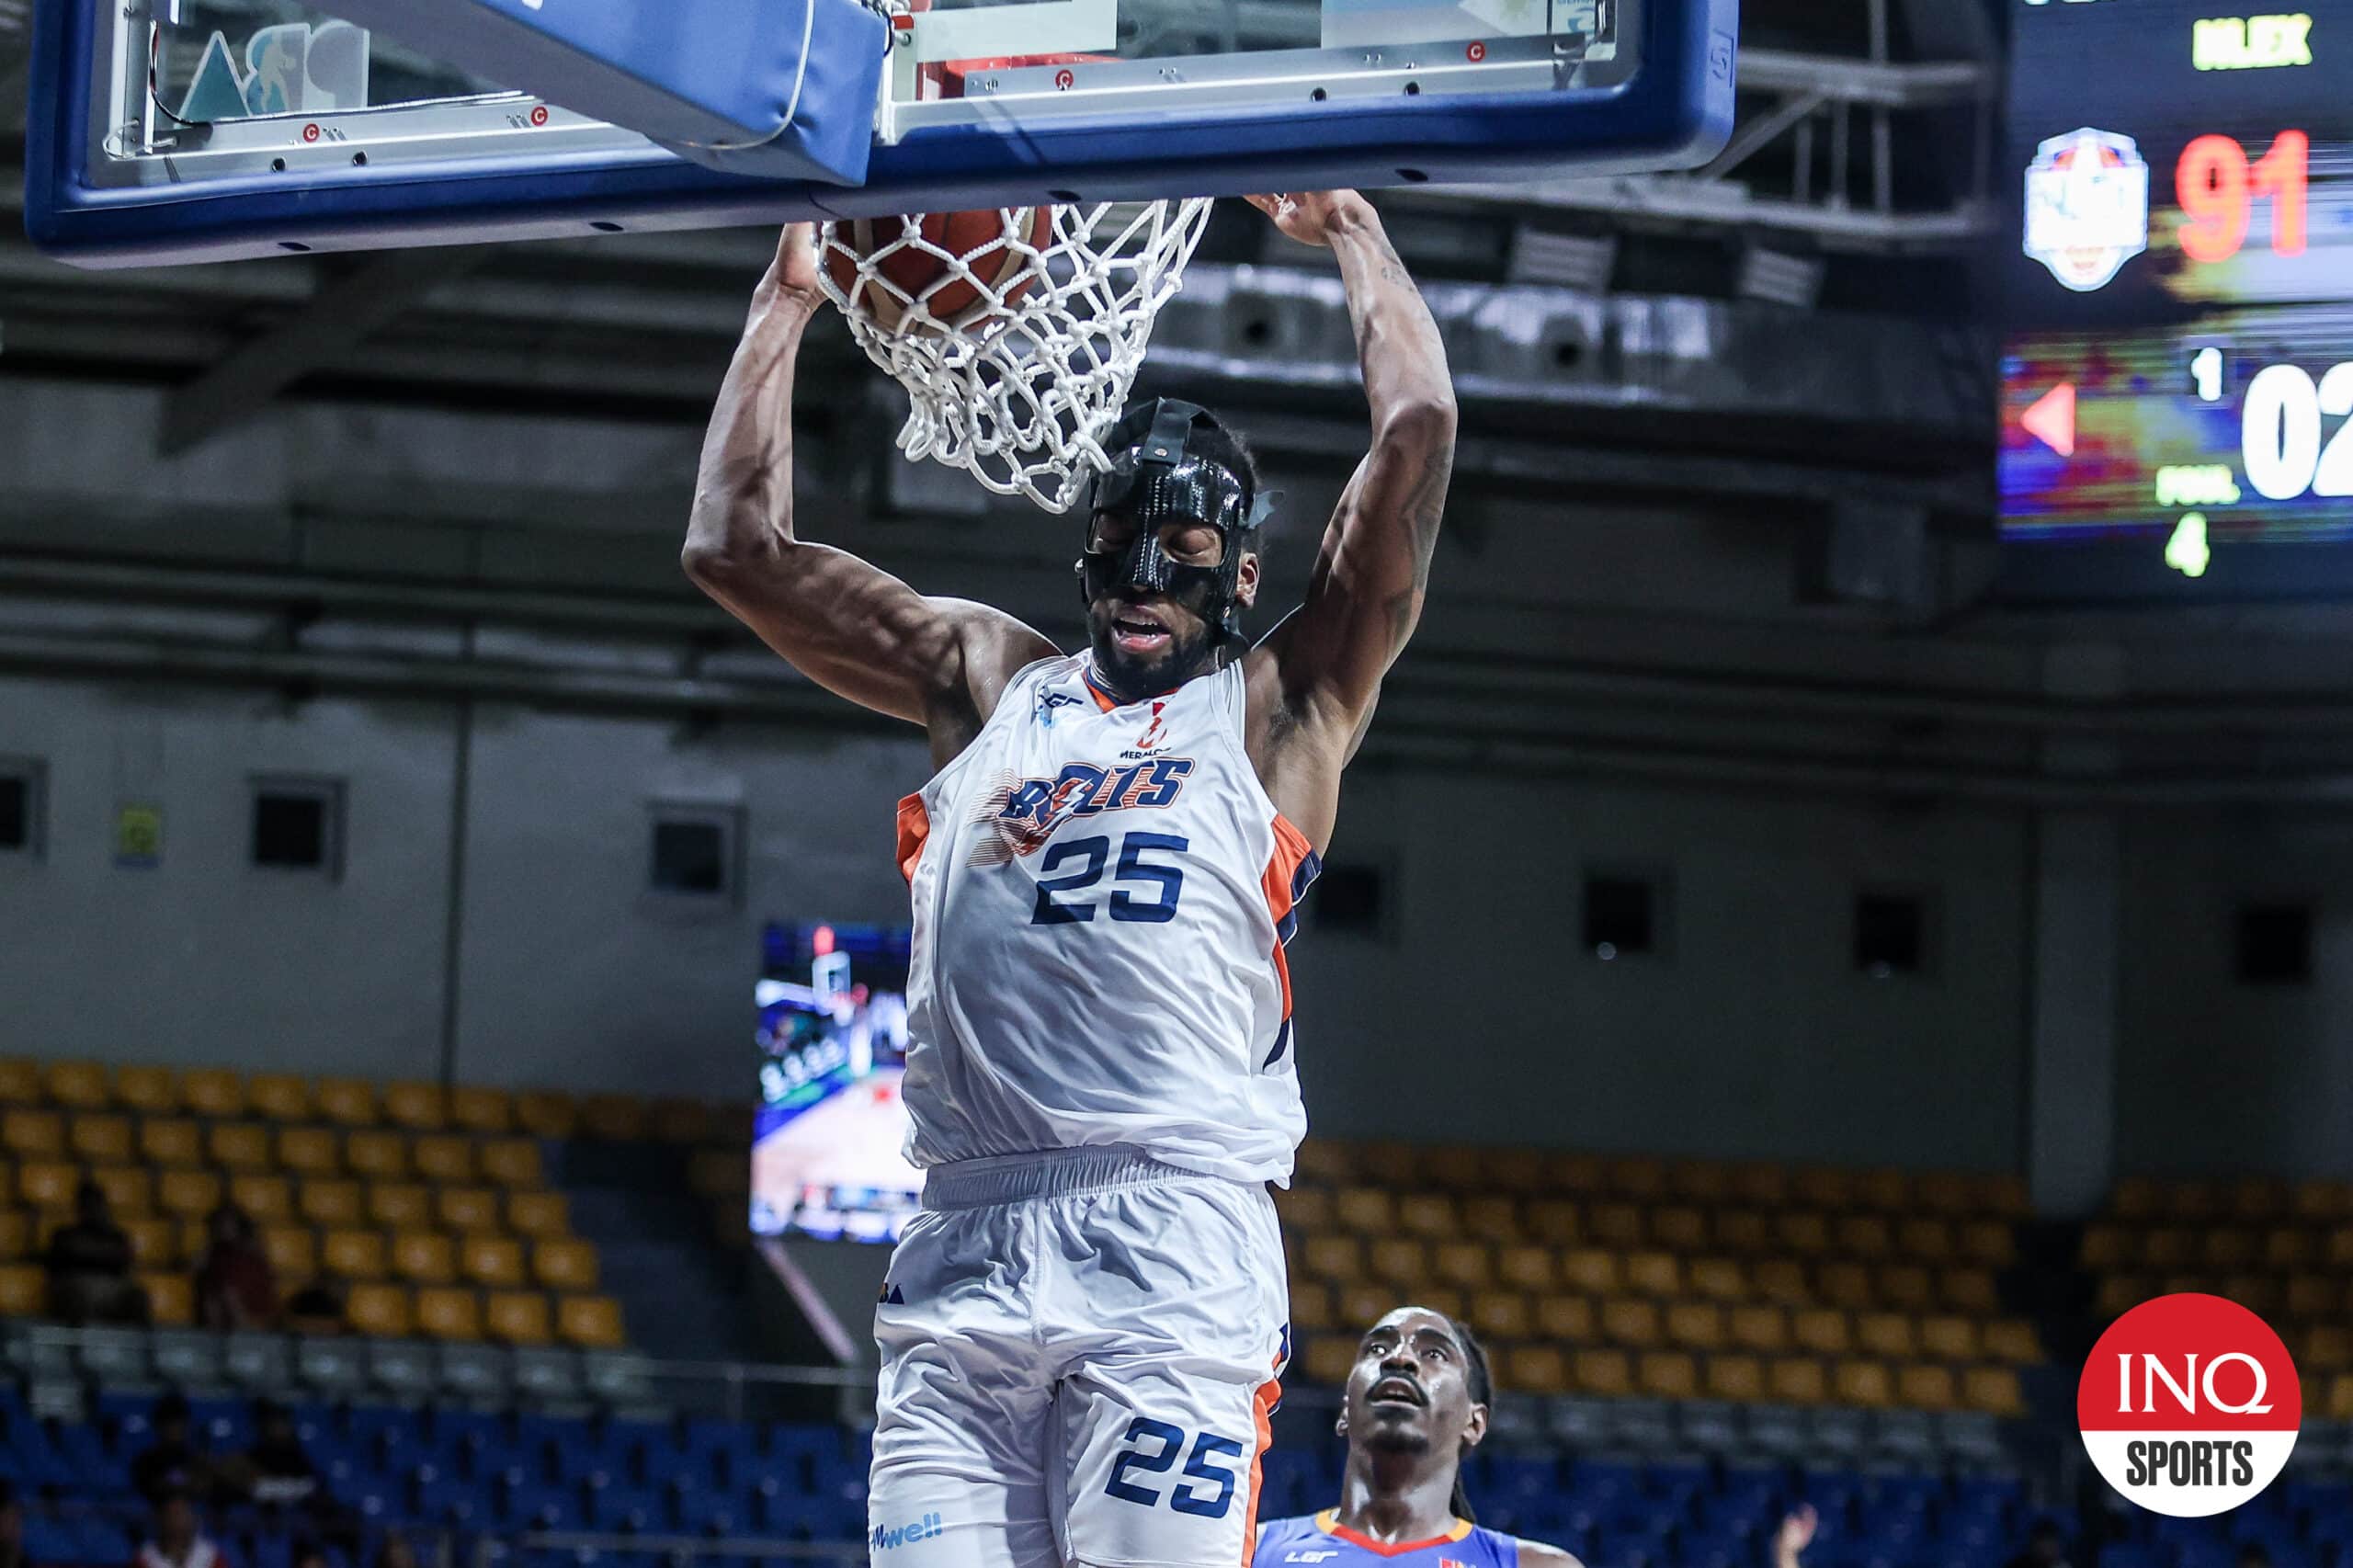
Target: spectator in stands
(176, 1538)
(235, 1287)
(89, 1266)
(2046, 1547)
(317, 1306)
(171, 1464)
(275, 1474)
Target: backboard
(167, 130)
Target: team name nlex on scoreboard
(2242, 43)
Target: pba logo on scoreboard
(2087, 206)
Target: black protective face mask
(1158, 482)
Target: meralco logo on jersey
(1023, 813)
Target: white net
(1016, 334)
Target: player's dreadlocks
(1481, 1384)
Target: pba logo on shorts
(2189, 1406)
(2087, 206)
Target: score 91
(2217, 187)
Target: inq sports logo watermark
(2189, 1406)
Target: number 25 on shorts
(1199, 1465)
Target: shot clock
(2177, 379)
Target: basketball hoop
(1018, 353)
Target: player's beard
(1397, 1439)
(1191, 653)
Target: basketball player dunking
(1082, 1328)
(1416, 1405)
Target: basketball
(995, 243)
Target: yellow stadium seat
(2226, 1249)
(1968, 1290)
(1992, 1243)
(514, 1161)
(1320, 1162)
(1500, 1315)
(2169, 1246)
(1910, 1286)
(351, 1102)
(517, 1317)
(677, 1121)
(538, 1214)
(1362, 1304)
(1845, 1285)
(1330, 1358)
(2321, 1199)
(77, 1086)
(467, 1209)
(1887, 1190)
(19, 1083)
(2341, 1397)
(2258, 1293)
(564, 1266)
(2287, 1248)
(1950, 1338)
(1994, 1390)
(2137, 1198)
(420, 1108)
(1679, 1226)
(1826, 1330)
(1491, 1217)
(332, 1203)
(716, 1171)
(1888, 1335)
(48, 1184)
(171, 1299)
(1668, 1374)
(1302, 1209)
(1592, 1270)
(399, 1205)
(1804, 1234)
(1311, 1311)
(2337, 1250)
(1630, 1320)
(1695, 1325)
(1516, 1170)
(1391, 1159)
(33, 1134)
(23, 1290)
(617, 1119)
(1535, 1369)
(2326, 1348)
(129, 1189)
(1743, 1231)
(195, 1236)
(1401, 1261)
(46, 1223)
(1866, 1384)
(1944, 1192)
(1739, 1377)
(380, 1310)
(2257, 1198)
(1654, 1274)
(1610, 1373)
(191, 1195)
(1554, 1222)
(16, 1240)
(1796, 1380)
(1427, 1214)
(1456, 1167)
(266, 1199)
(1334, 1257)
(1824, 1187)
(239, 1146)
(1703, 1182)
(1760, 1326)
(293, 1250)
(545, 1115)
(170, 1142)
(1718, 1279)
(101, 1140)
(1568, 1319)
(2314, 1296)
(1444, 1300)
(442, 1158)
(478, 1110)
(154, 1244)
(1465, 1265)
(1636, 1175)
(1863, 1236)
(310, 1151)
(1927, 1386)
(1575, 1172)
(1924, 1238)
(1525, 1268)
(278, 1096)
(1781, 1280)
(1367, 1210)
(591, 1322)
(355, 1255)
(2106, 1247)
(424, 1257)
(213, 1091)
(2004, 1197)
(1617, 1225)
(376, 1152)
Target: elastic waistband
(1052, 1173)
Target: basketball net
(1020, 385)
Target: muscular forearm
(1398, 345)
(742, 507)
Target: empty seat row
(47, 1137)
(2284, 1299)
(298, 1253)
(397, 1311)
(1500, 1219)
(1327, 1163)
(221, 1095)
(1409, 1264)
(2281, 1247)
(2247, 1198)
(192, 1195)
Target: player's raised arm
(1366, 593)
(847, 625)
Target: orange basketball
(990, 241)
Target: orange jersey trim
(915, 830)
(1328, 1521)
(1270, 1393)
(1291, 851)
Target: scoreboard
(2177, 374)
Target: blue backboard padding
(781, 88)
(1676, 111)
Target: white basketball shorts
(1080, 1352)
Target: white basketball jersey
(1102, 893)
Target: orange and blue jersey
(1320, 1540)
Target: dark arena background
(1846, 895)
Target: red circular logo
(310, 133)
(1475, 53)
(2189, 1406)
(1064, 79)
(538, 114)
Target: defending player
(1082, 1329)
(1415, 1405)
